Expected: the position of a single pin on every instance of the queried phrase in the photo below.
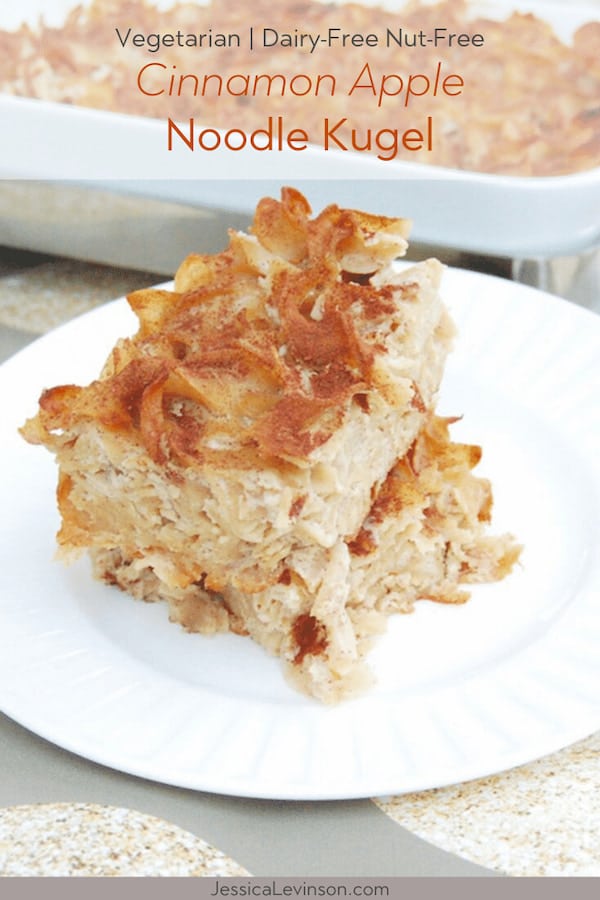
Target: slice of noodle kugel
(260, 403)
(231, 450)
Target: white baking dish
(503, 215)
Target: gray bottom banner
(205, 888)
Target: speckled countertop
(91, 840)
(539, 819)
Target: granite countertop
(86, 839)
(539, 819)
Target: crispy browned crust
(261, 346)
(424, 479)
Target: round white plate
(463, 691)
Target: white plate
(463, 691)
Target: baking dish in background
(507, 216)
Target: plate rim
(580, 728)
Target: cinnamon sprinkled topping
(258, 353)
